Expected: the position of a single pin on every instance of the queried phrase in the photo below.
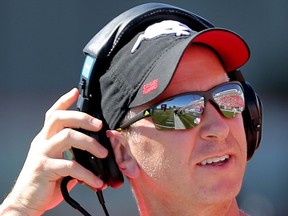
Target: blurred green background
(41, 58)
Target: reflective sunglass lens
(182, 112)
(230, 99)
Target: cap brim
(231, 48)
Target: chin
(225, 189)
(217, 188)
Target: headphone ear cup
(252, 118)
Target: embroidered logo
(160, 29)
(149, 87)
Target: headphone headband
(105, 44)
(123, 27)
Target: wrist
(15, 208)
(8, 210)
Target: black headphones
(99, 53)
(252, 115)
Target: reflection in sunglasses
(184, 111)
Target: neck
(151, 205)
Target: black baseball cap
(142, 69)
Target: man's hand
(37, 188)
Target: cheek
(160, 154)
(238, 137)
(155, 152)
(150, 155)
(237, 128)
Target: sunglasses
(184, 111)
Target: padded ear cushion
(252, 117)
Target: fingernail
(108, 133)
(103, 187)
(80, 182)
(73, 90)
(103, 151)
(99, 183)
(96, 122)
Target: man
(185, 155)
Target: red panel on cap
(231, 48)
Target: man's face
(172, 162)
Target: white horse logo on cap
(163, 28)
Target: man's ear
(125, 160)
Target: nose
(213, 124)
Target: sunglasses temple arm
(137, 117)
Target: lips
(215, 161)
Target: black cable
(75, 204)
(102, 202)
(67, 197)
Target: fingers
(59, 134)
(58, 168)
(64, 102)
(68, 138)
(60, 119)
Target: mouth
(215, 161)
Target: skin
(37, 188)
(162, 167)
